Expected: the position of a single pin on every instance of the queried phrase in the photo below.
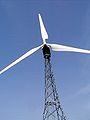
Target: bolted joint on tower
(52, 108)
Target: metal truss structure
(52, 109)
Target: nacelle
(46, 51)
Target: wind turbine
(54, 47)
(51, 100)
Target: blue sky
(22, 87)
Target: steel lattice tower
(53, 109)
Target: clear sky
(22, 87)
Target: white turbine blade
(43, 30)
(57, 47)
(21, 58)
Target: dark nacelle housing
(46, 52)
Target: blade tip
(39, 14)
